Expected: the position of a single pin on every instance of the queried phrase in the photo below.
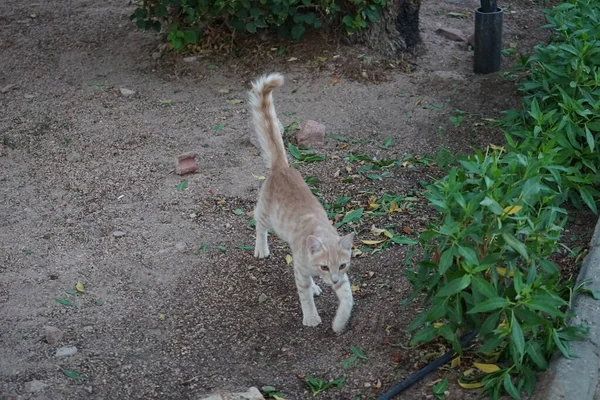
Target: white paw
(338, 326)
(311, 320)
(261, 253)
(317, 291)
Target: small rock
(127, 92)
(193, 215)
(33, 16)
(66, 351)
(118, 234)
(190, 59)
(52, 334)
(89, 389)
(35, 386)
(8, 87)
(311, 134)
(29, 96)
(471, 40)
(185, 163)
(88, 328)
(251, 394)
(451, 34)
(180, 246)
(74, 157)
(367, 385)
(262, 298)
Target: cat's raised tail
(267, 125)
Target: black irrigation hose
(417, 376)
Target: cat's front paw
(311, 320)
(261, 253)
(317, 291)
(339, 326)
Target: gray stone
(262, 298)
(251, 394)
(181, 246)
(66, 351)
(8, 88)
(311, 134)
(52, 334)
(127, 92)
(35, 386)
(190, 59)
(451, 34)
(74, 157)
(118, 234)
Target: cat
(287, 206)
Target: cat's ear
(346, 241)
(313, 244)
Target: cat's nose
(335, 278)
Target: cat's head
(330, 256)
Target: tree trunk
(397, 32)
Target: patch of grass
(318, 385)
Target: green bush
(489, 254)
(185, 20)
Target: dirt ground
(171, 306)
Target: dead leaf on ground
(79, 287)
(355, 288)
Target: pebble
(118, 234)
(127, 92)
(52, 334)
(262, 298)
(312, 133)
(35, 386)
(190, 59)
(74, 157)
(29, 96)
(8, 87)
(66, 351)
(181, 246)
(193, 215)
(88, 328)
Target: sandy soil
(171, 308)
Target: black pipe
(417, 376)
(488, 38)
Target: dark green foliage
(184, 19)
(488, 255)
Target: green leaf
(424, 335)
(469, 255)
(99, 303)
(454, 286)
(516, 335)
(534, 350)
(182, 185)
(562, 346)
(387, 143)
(71, 292)
(64, 302)
(358, 353)
(404, 240)
(218, 127)
(251, 27)
(69, 373)
(510, 387)
(446, 261)
(440, 387)
(249, 248)
(353, 216)
(212, 67)
(545, 304)
(222, 248)
(489, 305)
(516, 245)
(297, 31)
(483, 287)
(191, 37)
(237, 211)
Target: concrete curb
(578, 378)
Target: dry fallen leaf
(407, 229)
(348, 169)
(79, 287)
(419, 102)
(288, 259)
(161, 316)
(335, 80)
(370, 273)
(438, 325)
(393, 207)
(259, 177)
(377, 384)
(355, 288)
(373, 241)
(502, 272)
(510, 210)
(487, 368)
(355, 252)
(224, 91)
(292, 59)
(474, 385)
(455, 363)
(221, 202)
(494, 147)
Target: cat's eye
(324, 267)
(343, 266)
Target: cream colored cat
(287, 206)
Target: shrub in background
(185, 20)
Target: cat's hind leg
(261, 247)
